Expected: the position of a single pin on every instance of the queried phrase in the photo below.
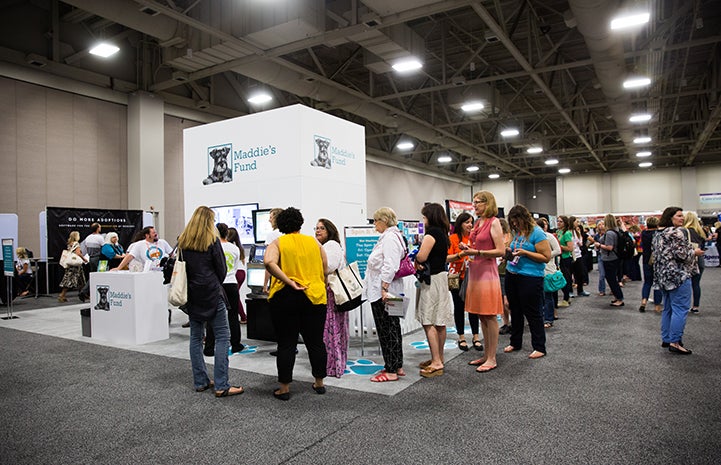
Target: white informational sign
(292, 156)
(710, 199)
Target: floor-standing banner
(61, 221)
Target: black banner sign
(62, 221)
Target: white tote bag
(178, 292)
(347, 287)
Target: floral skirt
(74, 278)
(335, 336)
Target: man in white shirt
(149, 249)
(92, 245)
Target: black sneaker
(209, 352)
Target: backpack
(625, 245)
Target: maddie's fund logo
(218, 164)
(108, 298)
(325, 155)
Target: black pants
(459, 314)
(611, 269)
(292, 314)
(389, 335)
(231, 291)
(567, 270)
(579, 277)
(525, 294)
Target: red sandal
(382, 378)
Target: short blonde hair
(386, 215)
(73, 237)
(21, 252)
(491, 206)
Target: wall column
(689, 190)
(146, 155)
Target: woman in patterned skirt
(335, 334)
(74, 276)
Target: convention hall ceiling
(553, 69)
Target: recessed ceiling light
(405, 145)
(642, 140)
(104, 50)
(472, 106)
(510, 132)
(630, 20)
(444, 159)
(643, 154)
(645, 164)
(472, 169)
(534, 150)
(564, 170)
(634, 82)
(639, 118)
(260, 97)
(407, 65)
(552, 161)
(494, 176)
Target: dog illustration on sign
(221, 171)
(322, 158)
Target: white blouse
(334, 256)
(383, 263)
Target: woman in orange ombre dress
(483, 292)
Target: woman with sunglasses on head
(457, 265)
(483, 291)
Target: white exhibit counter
(128, 307)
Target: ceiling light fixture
(405, 145)
(639, 118)
(645, 164)
(260, 98)
(444, 159)
(510, 132)
(472, 106)
(564, 170)
(643, 154)
(104, 50)
(494, 176)
(534, 150)
(642, 140)
(407, 65)
(630, 20)
(472, 168)
(552, 161)
(634, 82)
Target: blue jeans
(222, 340)
(601, 276)
(548, 306)
(648, 284)
(696, 283)
(675, 309)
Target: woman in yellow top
(297, 299)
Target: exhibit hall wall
(290, 156)
(406, 191)
(59, 149)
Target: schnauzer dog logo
(218, 164)
(103, 302)
(321, 158)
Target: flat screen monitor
(261, 225)
(257, 253)
(255, 277)
(239, 217)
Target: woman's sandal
(485, 368)
(382, 378)
(478, 362)
(399, 372)
(429, 372)
(508, 349)
(478, 345)
(424, 364)
(548, 325)
(463, 345)
(206, 387)
(230, 392)
(536, 354)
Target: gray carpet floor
(607, 393)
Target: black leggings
(579, 275)
(459, 315)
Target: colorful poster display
(359, 243)
(8, 258)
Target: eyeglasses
(476, 202)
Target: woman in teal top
(527, 257)
(565, 238)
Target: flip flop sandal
(397, 372)
(382, 378)
(227, 393)
(485, 368)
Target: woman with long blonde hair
(74, 276)
(697, 236)
(206, 270)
